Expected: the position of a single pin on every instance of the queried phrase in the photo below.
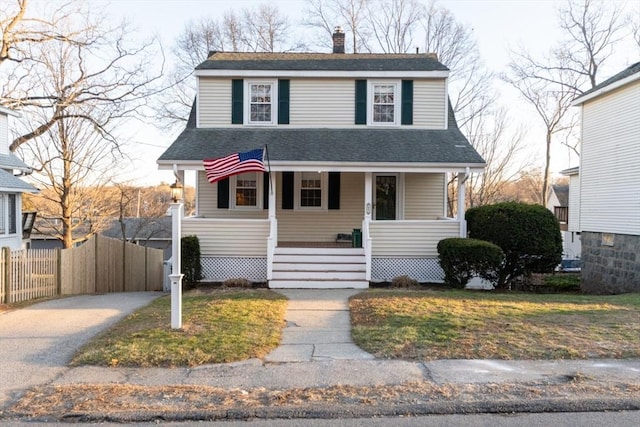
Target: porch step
(319, 268)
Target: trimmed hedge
(191, 267)
(462, 259)
(528, 234)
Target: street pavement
(316, 351)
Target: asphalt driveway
(36, 342)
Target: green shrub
(529, 236)
(404, 282)
(462, 259)
(191, 267)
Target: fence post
(59, 271)
(6, 258)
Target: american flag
(234, 164)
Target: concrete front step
(318, 251)
(318, 284)
(317, 259)
(312, 266)
(319, 275)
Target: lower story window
(247, 190)
(8, 214)
(310, 190)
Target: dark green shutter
(334, 190)
(237, 89)
(223, 194)
(283, 102)
(287, 190)
(265, 190)
(361, 102)
(407, 102)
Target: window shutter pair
(237, 101)
(288, 190)
(406, 96)
(223, 192)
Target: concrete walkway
(318, 327)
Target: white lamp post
(176, 269)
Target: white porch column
(176, 275)
(368, 208)
(462, 178)
(272, 241)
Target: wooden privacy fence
(100, 265)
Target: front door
(386, 197)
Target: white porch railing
(410, 238)
(229, 237)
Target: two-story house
(608, 190)
(558, 203)
(11, 188)
(362, 142)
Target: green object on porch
(356, 238)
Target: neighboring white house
(11, 187)
(558, 202)
(357, 143)
(609, 184)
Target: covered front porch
(401, 216)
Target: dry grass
(220, 326)
(428, 325)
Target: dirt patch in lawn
(131, 402)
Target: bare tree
(263, 29)
(73, 165)
(325, 15)
(99, 69)
(394, 23)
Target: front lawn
(219, 326)
(428, 325)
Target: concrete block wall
(610, 263)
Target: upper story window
(246, 190)
(260, 102)
(384, 103)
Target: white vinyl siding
(574, 203)
(214, 102)
(410, 238)
(424, 198)
(322, 102)
(610, 163)
(228, 237)
(207, 196)
(4, 134)
(323, 226)
(429, 103)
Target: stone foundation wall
(610, 263)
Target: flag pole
(266, 154)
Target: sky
(498, 25)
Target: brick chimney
(338, 40)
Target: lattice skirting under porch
(424, 270)
(218, 269)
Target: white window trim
(397, 102)
(324, 189)
(232, 193)
(247, 102)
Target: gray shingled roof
(321, 62)
(633, 69)
(327, 145)
(141, 228)
(8, 181)
(562, 193)
(11, 161)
